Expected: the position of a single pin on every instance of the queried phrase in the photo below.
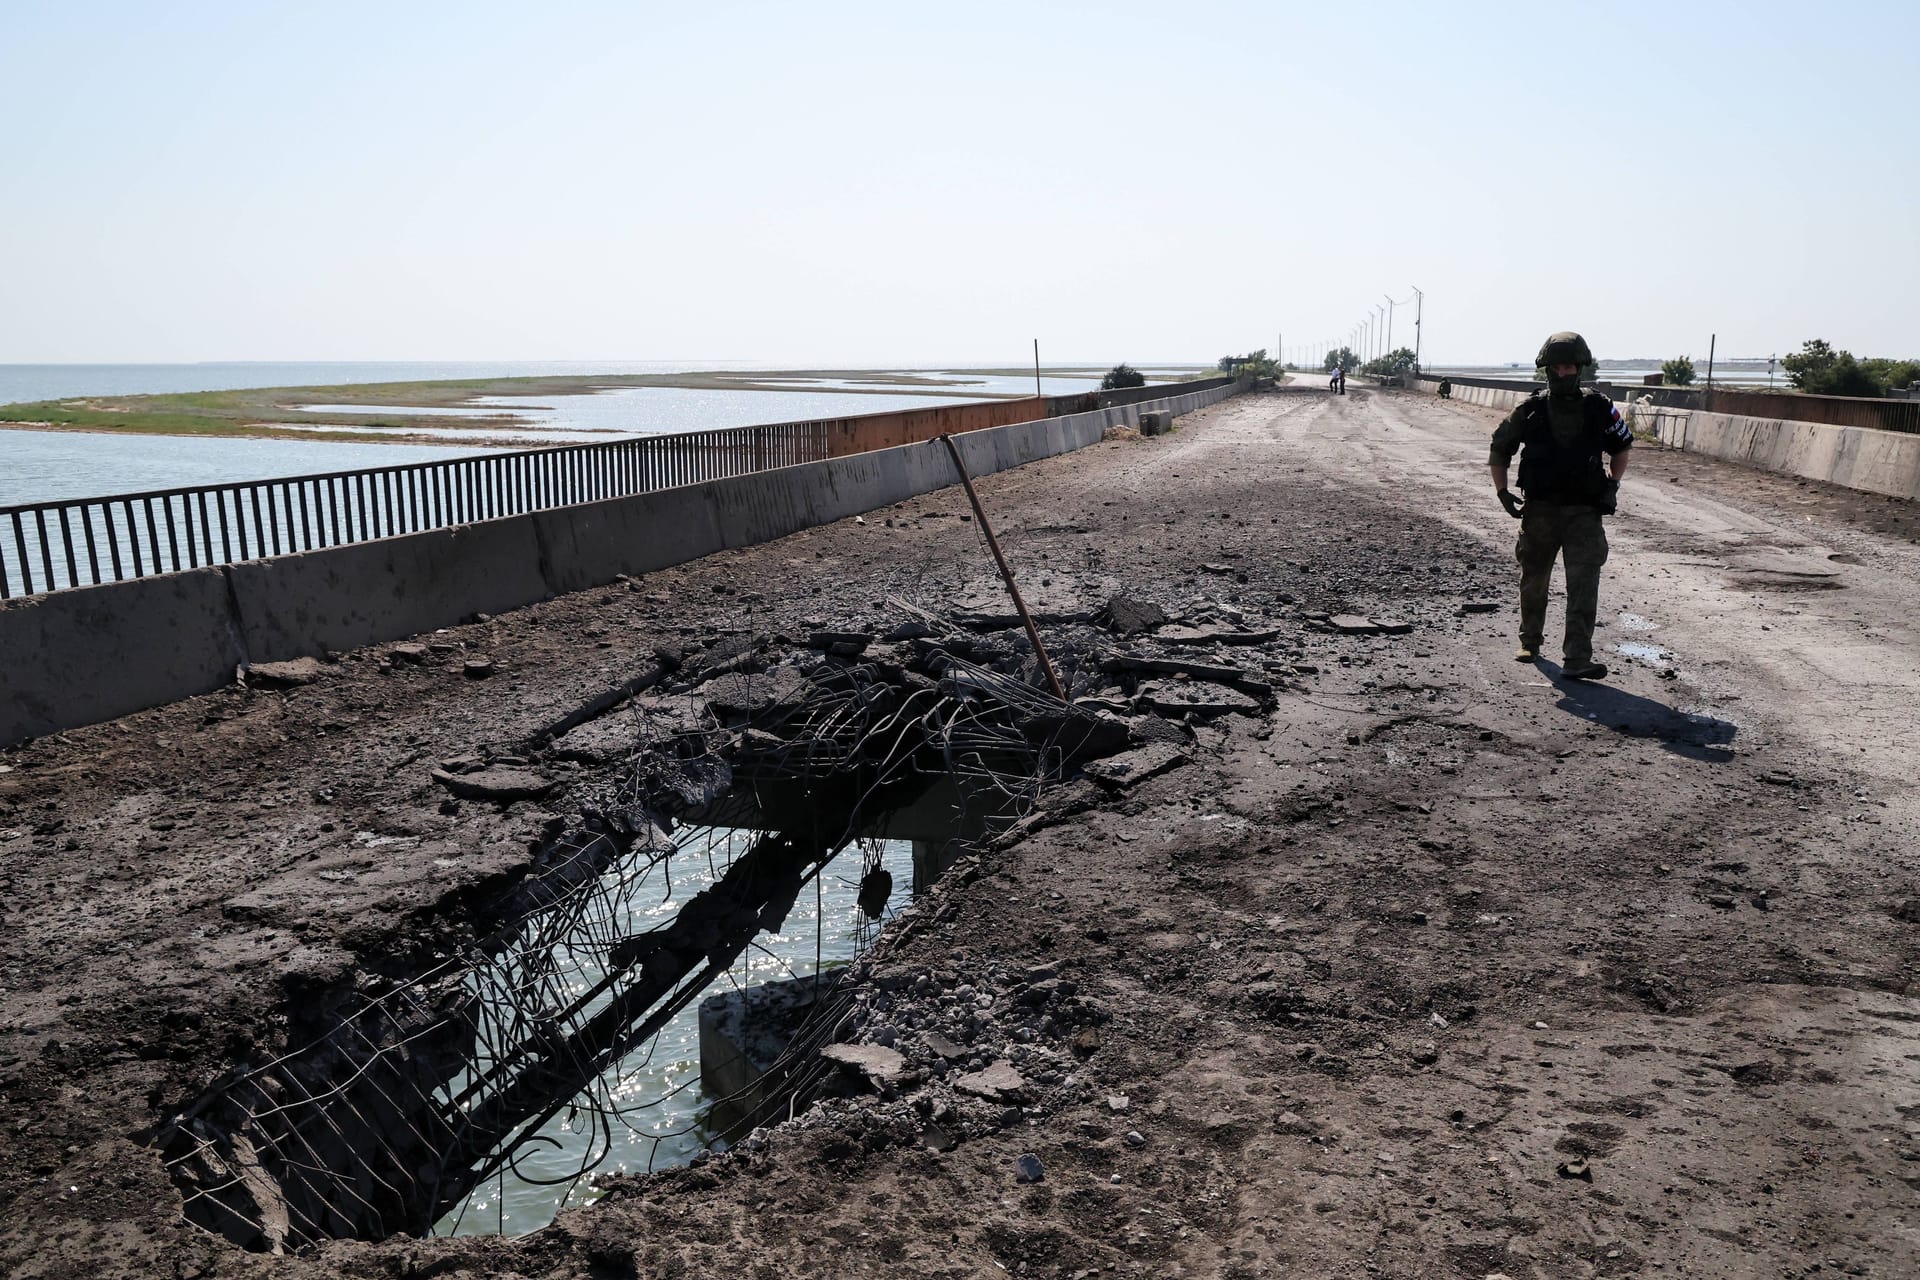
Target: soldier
(1564, 433)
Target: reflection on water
(657, 1118)
(41, 466)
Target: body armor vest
(1564, 473)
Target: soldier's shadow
(1698, 737)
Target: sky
(849, 183)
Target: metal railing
(84, 541)
(54, 546)
(1839, 411)
(1790, 406)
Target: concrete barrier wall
(80, 656)
(93, 653)
(1858, 457)
(1866, 458)
(1502, 398)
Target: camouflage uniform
(1565, 432)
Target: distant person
(1339, 380)
(1446, 388)
(1564, 434)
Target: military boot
(1588, 670)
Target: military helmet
(1565, 347)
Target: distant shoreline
(285, 413)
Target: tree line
(1818, 369)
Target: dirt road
(1443, 967)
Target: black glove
(1511, 502)
(1609, 500)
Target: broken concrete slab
(1216, 635)
(840, 644)
(740, 693)
(1192, 697)
(1077, 735)
(600, 741)
(946, 1048)
(284, 675)
(877, 1062)
(1129, 616)
(1181, 667)
(1353, 624)
(1130, 768)
(502, 786)
(996, 1083)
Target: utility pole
(1419, 306)
(1378, 313)
(1713, 340)
(1036, 368)
(1390, 306)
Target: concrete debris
(739, 694)
(283, 675)
(989, 622)
(1181, 698)
(840, 644)
(500, 785)
(998, 1082)
(1156, 422)
(1151, 728)
(1216, 635)
(598, 741)
(945, 1048)
(1353, 624)
(1130, 768)
(878, 1063)
(477, 668)
(1128, 616)
(413, 654)
(1193, 670)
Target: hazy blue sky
(836, 182)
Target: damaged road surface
(1312, 936)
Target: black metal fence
(52, 546)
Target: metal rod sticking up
(1006, 573)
